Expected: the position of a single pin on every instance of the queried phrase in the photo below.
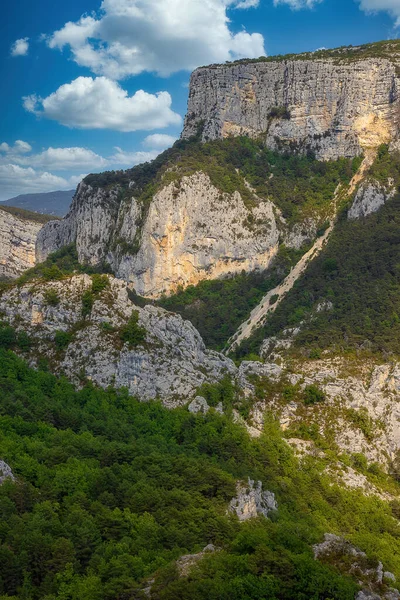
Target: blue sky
(90, 85)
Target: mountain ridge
(55, 203)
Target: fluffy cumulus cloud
(20, 47)
(298, 4)
(23, 171)
(158, 141)
(129, 37)
(57, 159)
(101, 103)
(122, 157)
(19, 147)
(390, 6)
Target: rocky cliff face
(17, 244)
(169, 364)
(370, 197)
(191, 231)
(333, 106)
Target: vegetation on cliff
(358, 273)
(389, 49)
(110, 492)
(27, 215)
(217, 307)
(299, 185)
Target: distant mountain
(51, 203)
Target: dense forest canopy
(110, 492)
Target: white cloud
(247, 4)
(159, 141)
(100, 103)
(23, 171)
(298, 4)
(65, 159)
(57, 159)
(121, 157)
(162, 36)
(19, 147)
(390, 6)
(16, 180)
(20, 47)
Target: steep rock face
(369, 198)
(196, 232)
(336, 108)
(170, 364)
(89, 223)
(359, 412)
(17, 244)
(190, 233)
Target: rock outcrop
(369, 198)
(5, 472)
(360, 408)
(170, 364)
(252, 501)
(350, 560)
(188, 234)
(333, 106)
(17, 244)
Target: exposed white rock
(369, 198)
(301, 233)
(170, 365)
(353, 561)
(186, 563)
(249, 369)
(17, 244)
(198, 405)
(336, 107)
(251, 501)
(190, 233)
(5, 472)
(370, 396)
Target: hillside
(49, 203)
(200, 363)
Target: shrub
(62, 339)
(313, 395)
(132, 333)
(51, 297)
(7, 336)
(362, 420)
(87, 303)
(52, 273)
(99, 283)
(24, 342)
(10, 339)
(279, 112)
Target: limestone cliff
(170, 364)
(334, 106)
(188, 217)
(17, 243)
(191, 231)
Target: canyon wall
(335, 107)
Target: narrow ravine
(264, 308)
